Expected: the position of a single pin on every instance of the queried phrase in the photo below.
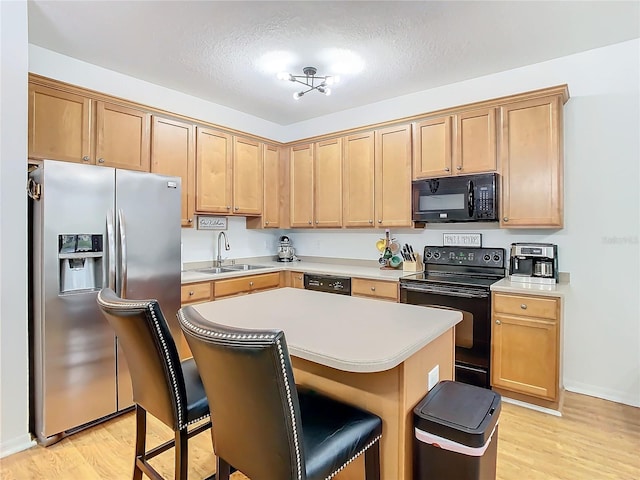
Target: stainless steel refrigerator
(93, 226)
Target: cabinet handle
(310, 222)
(251, 284)
(370, 221)
(505, 219)
(498, 322)
(373, 289)
(523, 306)
(85, 158)
(101, 160)
(191, 293)
(267, 222)
(190, 220)
(237, 208)
(458, 167)
(317, 222)
(379, 221)
(300, 277)
(228, 207)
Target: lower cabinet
(295, 279)
(525, 346)
(246, 284)
(379, 289)
(196, 292)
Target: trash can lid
(463, 413)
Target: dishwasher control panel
(327, 283)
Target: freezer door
(72, 343)
(148, 237)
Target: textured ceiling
(230, 52)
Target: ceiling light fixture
(311, 80)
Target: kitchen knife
(411, 254)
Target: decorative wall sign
(462, 239)
(212, 223)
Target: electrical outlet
(434, 377)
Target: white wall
(14, 374)
(598, 246)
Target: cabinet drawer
(246, 284)
(541, 307)
(375, 288)
(195, 292)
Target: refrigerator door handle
(111, 243)
(123, 254)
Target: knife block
(411, 266)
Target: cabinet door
(393, 177)
(122, 137)
(301, 185)
(59, 125)
(328, 183)
(525, 355)
(297, 279)
(271, 185)
(432, 148)
(173, 153)
(531, 161)
(475, 148)
(213, 171)
(247, 176)
(358, 177)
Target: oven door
(473, 333)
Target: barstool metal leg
(372, 462)
(181, 452)
(141, 436)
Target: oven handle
(443, 292)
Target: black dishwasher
(327, 283)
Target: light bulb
(297, 95)
(327, 91)
(332, 80)
(283, 76)
(321, 88)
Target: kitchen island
(373, 354)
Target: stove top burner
(460, 266)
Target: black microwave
(465, 198)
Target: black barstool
(163, 386)
(265, 426)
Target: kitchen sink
(242, 266)
(212, 270)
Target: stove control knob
(436, 255)
(496, 257)
(428, 254)
(486, 257)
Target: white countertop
(347, 333)
(554, 290)
(374, 273)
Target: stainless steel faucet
(218, 262)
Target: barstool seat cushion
(328, 445)
(197, 403)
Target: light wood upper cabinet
(62, 127)
(247, 176)
(59, 125)
(432, 147)
(327, 206)
(301, 185)
(457, 144)
(525, 346)
(531, 162)
(122, 137)
(393, 176)
(173, 153)
(358, 179)
(475, 147)
(271, 185)
(213, 171)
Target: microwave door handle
(470, 199)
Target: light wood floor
(594, 440)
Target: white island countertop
(346, 333)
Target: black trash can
(456, 433)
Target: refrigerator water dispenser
(80, 258)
